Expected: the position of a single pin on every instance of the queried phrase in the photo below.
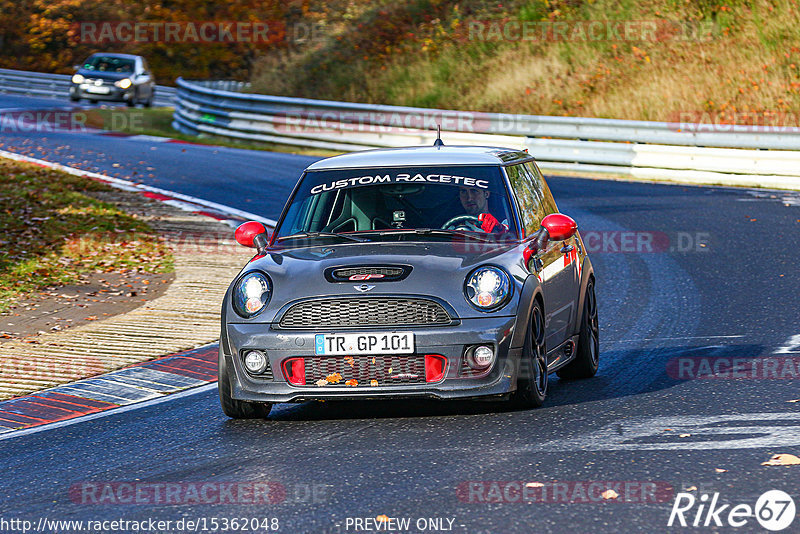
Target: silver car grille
(355, 312)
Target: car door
(144, 80)
(553, 265)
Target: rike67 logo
(774, 510)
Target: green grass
(52, 231)
(738, 56)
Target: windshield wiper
(437, 231)
(323, 234)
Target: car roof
(423, 156)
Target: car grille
(354, 312)
(368, 371)
(350, 271)
(375, 273)
(468, 372)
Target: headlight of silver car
(77, 78)
(487, 287)
(251, 294)
(124, 83)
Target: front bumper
(449, 341)
(115, 94)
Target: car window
(366, 200)
(540, 183)
(529, 198)
(101, 63)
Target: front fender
(587, 272)
(530, 289)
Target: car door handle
(566, 249)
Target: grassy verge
(52, 232)
(733, 58)
(158, 122)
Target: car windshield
(434, 202)
(108, 64)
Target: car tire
(149, 102)
(234, 408)
(92, 101)
(532, 379)
(74, 99)
(587, 357)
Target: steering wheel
(469, 223)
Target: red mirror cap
(248, 231)
(559, 226)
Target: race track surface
(718, 283)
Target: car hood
(438, 270)
(109, 76)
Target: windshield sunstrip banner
(401, 178)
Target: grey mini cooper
(441, 272)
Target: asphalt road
(722, 283)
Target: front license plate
(98, 90)
(374, 343)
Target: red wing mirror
(559, 227)
(252, 234)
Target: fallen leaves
(349, 360)
(333, 378)
(321, 382)
(609, 494)
(718, 470)
(352, 382)
(783, 459)
(383, 518)
(534, 485)
(373, 382)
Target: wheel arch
(531, 292)
(587, 273)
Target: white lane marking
(672, 338)
(792, 346)
(106, 413)
(741, 431)
(130, 186)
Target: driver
(476, 203)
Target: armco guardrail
(654, 150)
(57, 86)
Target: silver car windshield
(394, 200)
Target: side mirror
(555, 227)
(559, 227)
(252, 234)
(76, 67)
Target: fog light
(255, 361)
(480, 357)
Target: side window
(547, 197)
(530, 203)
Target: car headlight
(487, 287)
(77, 78)
(251, 294)
(123, 83)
